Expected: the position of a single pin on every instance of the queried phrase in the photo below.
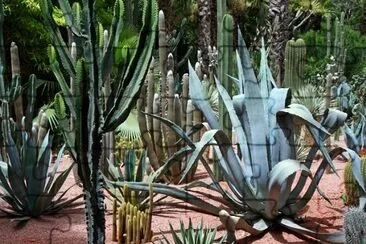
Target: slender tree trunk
(204, 30)
(278, 17)
(363, 17)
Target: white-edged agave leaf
(293, 206)
(237, 126)
(176, 128)
(196, 94)
(337, 237)
(172, 192)
(278, 176)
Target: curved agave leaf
(328, 237)
(277, 194)
(292, 208)
(173, 192)
(333, 124)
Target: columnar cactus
(295, 56)
(160, 140)
(92, 70)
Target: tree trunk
(363, 18)
(278, 17)
(204, 30)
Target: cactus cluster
(295, 57)
(352, 189)
(130, 224)
(355, 226)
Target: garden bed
(69, 225)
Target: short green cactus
(133, 224)
(351, 186)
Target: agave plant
(29, 184)
(190, 235)
(356, 132)
(261, 179)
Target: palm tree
(278, 15)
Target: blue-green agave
(28, 183)
(261, 177)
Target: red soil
(69, 226)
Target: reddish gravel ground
(69, 226)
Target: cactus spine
(133, 225)
(295, 56)
(350, 184)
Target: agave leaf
(55, 167)
(176, 128)
(141, 167)
(236, 124)
(197, 153)
(277, 177)
(292, 208)
(328, 237)
(196, 94)
(173, 192)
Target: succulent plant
(28, 183)
(93, 111)
(190, 235)
(295, 57)
(261, 179)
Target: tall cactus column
(225, 63)
(295, 57)
(15, 71)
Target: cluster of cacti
(295, 57)
(339, 50)
(165, 102)
(355, 226)
(129, 222)
(352, 188)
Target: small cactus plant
(129, 223)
